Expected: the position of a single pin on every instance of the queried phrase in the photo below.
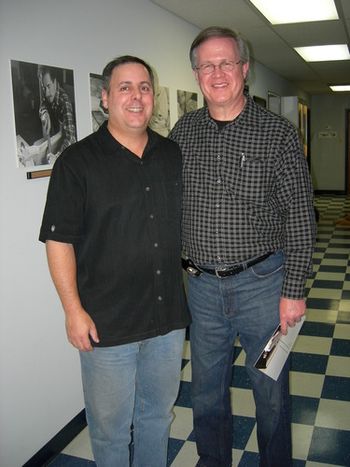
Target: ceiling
(272, 45)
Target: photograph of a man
(55, 112)
(44, 108)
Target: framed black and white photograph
(186, 102)
(274, 102)
(160, 121)
(98, 113)
(44, 108)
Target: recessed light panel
(296, 11)
(324, 53)
(340, 88)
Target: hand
(80, 327)
(45, 122)
(291, 312)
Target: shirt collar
(110, 145)
(250, 116)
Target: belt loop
(217, 274)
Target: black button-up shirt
(247, 191)
(122, 213)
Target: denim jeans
(129, 384)
(247, 305)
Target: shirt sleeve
(63, 218)
(68, 123)
(296, 198)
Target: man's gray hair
(217, 31)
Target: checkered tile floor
(320, 376)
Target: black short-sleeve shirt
(122, 214)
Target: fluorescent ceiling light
(343, 87)
(324, 53)
(296, 11)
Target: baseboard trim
(48, 452)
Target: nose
(217, 70)
(136, 93)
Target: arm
(45, 121)
(68, 123)
(300, 233)
(62, 264)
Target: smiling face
(129, 99)
(223, 90)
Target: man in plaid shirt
(248, 233)
(55, 112)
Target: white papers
(275, 353)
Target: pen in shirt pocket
(243, 158)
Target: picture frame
(44, 113)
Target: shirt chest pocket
(249, 179)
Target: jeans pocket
(269, 266)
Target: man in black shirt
(248, 228)
(112, 232)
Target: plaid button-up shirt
(247, 191)
(62, 117)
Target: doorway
(347, 151)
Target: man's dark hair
(108, 69)
(52, 71)
(218, 31)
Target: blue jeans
(246, 304)
(129, 384)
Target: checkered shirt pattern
(63, 110)
(247, 191)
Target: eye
(227, 66)
(146, 88)
(124, 88)
(207, 68)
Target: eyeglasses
(208, 68)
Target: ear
(104, 98)
(245, 69)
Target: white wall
(262, 80)
(40, 390)
(328, 141)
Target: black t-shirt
(122, 213)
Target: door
(347, 149)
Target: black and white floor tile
(320, 376)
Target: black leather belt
(195, 270)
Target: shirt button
(160, 298)
(158, 272)
(151, 216)
(218, 157)
(148, 188)
(217, 205)
(155, 245)
(218, 181)
(218, 257)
